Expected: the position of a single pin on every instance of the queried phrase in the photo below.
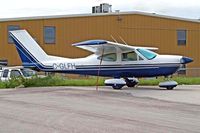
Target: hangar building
(172, 35)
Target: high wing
(97, 46)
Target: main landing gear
(115, 83)
(117, 86)
(119, 83)
(131, 82)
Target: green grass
(179, 80)
(11, 83)
(187, 81)
(59, 81)
(2, 85)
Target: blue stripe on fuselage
(128, 72)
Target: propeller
(97, 82)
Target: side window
(130, 56)
(108, 57)
(50, 34)
(11, 28)
(5, 73)
(181, 37)
(15, 74)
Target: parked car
(0, 72)
(8, 73)
(3, 62)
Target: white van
(0, 72)
(8, 73)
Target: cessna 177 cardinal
(123, 63)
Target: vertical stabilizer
(31, 54)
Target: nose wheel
(169, 84)
(170, 88)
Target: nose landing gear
(168, 84)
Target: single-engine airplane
(124, 63)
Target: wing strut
(97, 82)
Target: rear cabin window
(108, 57)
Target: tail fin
(30, 52)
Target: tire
(170, 88)
(117, 87)
(131, 84)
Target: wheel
(170, 88)
(117, 87)
(131, 83)
(169, 85)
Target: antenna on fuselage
(123, 40)
(113, 38)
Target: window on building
(181, 37)
(49, 34)
(11, 28)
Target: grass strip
(60, 81)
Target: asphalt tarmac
(85, 110)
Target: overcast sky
(27, 8)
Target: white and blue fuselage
(91, 65)
(108, 59)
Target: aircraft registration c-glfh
(124, 63)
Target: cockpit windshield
(147, 53)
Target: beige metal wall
(134, 29)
